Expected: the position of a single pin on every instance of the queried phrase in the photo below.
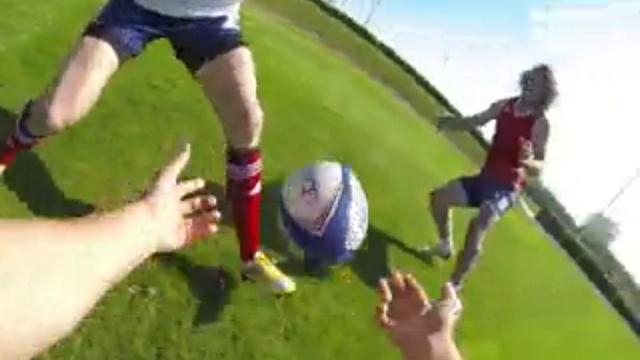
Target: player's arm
(467, 123)
(533, 154)
(52, 273)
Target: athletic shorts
(481, 190)
(129, 27)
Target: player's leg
(229, 83)
(441, 201)
(496, 200)
(119, 32)
(76, 89)
(473, 242)
(66, 100)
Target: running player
(517, 151)
(206, 38)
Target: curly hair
(551, 90)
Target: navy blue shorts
(481, 190)
(129, 27)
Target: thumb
(449, 296)
(448, 292)
(175, 167)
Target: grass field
(525, 300)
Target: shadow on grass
(30, 180)
(271, 236)
(7, 122)
(273, 239)
(370, 262)
(211, 285)
(218, 190)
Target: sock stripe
(242, 172)
(257, 189)
(23, 135)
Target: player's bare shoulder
(498, 106)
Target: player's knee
(488, 217)
(255, 119)
(249, 126)
(482, 222)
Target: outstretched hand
(178, 216)
(410, 319)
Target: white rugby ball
(324, 210)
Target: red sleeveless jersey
(503, 160)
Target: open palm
(179, 217)
(407, 315)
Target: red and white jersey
(193, 8)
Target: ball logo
(310, 190)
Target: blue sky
(473, 52)
(463, 15)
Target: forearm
(446, 350)
(440, 348)
(52, 273)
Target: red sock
(21, 140)
(244, 189)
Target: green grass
(525, 300)
(333, 33)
